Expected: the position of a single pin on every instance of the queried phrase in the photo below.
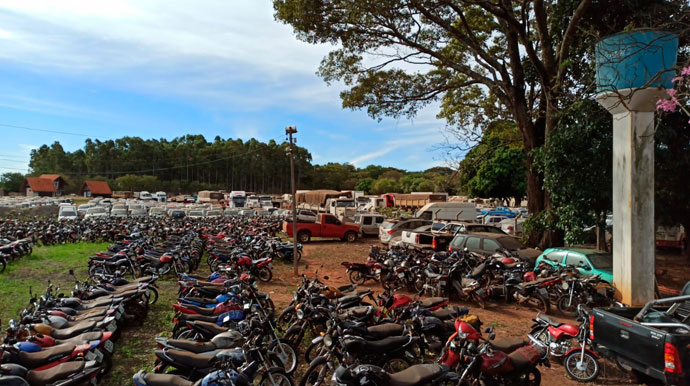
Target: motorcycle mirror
(325, 278)
(489, 330)
(492, 336)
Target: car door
(458, 243)
(368, 225)
(331, 227)
(489, 246)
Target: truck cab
(342, 208)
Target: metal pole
(290, 130)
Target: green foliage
(365, 185)
(386, 185)
(576, 163)
(11, 182)
(496, 166)
(672, 171)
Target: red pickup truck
(326, 225)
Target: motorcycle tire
(313, 351)
(264, 274)
(268, 305)
(356, 277)
(539, 303)
(480, 300)
(3, 264)
(286, 317)
(153, 295)
(531, 378)
(275, 377)
(591, 366)
(319, 372)
(299, 256)
(563, 308)
(285, 356)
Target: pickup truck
(652, 341)
(440, 234)
(327, 226)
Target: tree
(577, 166)
(385, 185)
(11, 182)
(496, 167)
(484, 60)
(365, 185)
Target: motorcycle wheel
(287, 317)
(539, 303)
(356, 277)
(319, 372)
(284, 356)
(299, 255)
(3, 264)
(585, 372)
(313, 351)
(531, 378)
(564, 308)
(275, 377)
(153, 295)
(264, 274)
(268, 305)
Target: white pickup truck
(438, 236)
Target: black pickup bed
(641, 344)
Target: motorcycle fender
(578, 349)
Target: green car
(587, 261)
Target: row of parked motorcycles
(11, 250)
(61, 339)
(475, 278)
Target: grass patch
(46, 263)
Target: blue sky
(163, 69)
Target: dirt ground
(324, 258)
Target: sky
(161, 69)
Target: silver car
(393, 228)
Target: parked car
(197, 213)
(157, 212)
(118, 213)
(494, 220)
(304, 215)
(229, 212)
(391, 228)
(83, 208)
(96, 211)
(587, 261)
(178, 213)
(488, 243)
(327, 226)
(369, 223)
(438, 240)
(67, 212)
(214, 213)
(512, 227)
(138, 213)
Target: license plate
(109, 346)
(90, 356)
(111, 327)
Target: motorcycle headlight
(300, 314)
(328, 341)
(565, 285)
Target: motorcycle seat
(54, 374)
(214, 328)
(195, 317)
(432, 302)
(85, 337)
(526, 356)
(166, 380)
(385, 330)
(416, 375)
(447, 313)
(36, 359)
(77, 329)
(192, 360)
(549, 321)
(191, 346)
(381, 346)
(198, 300)
(507, 345)
(357, 312)
(199, 310)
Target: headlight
(300, 314)
(294, 296)
(328, 341)
(565, 285)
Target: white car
(96, 211)
(494, 220)
(67, 213)
(196, 214)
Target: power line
(51, 131)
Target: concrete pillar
(633, 192)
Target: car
(214, 213)
(392, 228)
(138, 213)
(512, 227)
(96, 211)
(157, 212)
(587, 261)
(494, 220)
(83, 208)
(488, 243)
(178, 213)
(119, 213)
(68, 212)
(197, 213)
(369, 223)
(229, 212)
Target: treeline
(191, 163)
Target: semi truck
(340, 204)
(237, 198)
(412, 201)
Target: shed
(37, 186)
(96, 189)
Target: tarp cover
(319, 197)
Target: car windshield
(510, 243)
(120, 211)
(601, 260)
(345, 204)
(96, 210)
(196, 213)
(68, 213)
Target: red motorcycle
(508, 362)
(359, 273)
(398, 306)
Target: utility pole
(289, 130)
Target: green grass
(134, 349)
(46, 263)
